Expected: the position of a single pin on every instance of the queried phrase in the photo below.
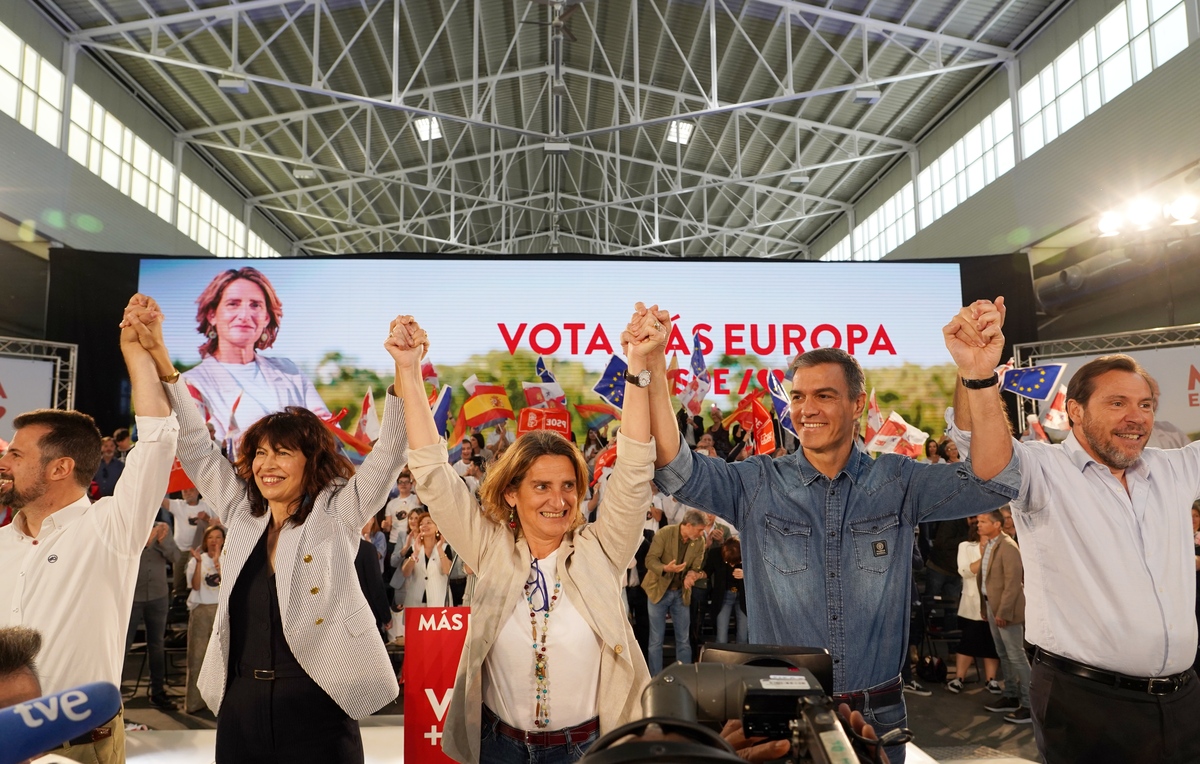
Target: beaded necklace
(541, 673)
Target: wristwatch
(641, 379)
(981, 384)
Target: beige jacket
(593, 561)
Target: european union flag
(611, 386)
(698, 367)
(1036, 382)
(780, 399)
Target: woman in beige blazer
(550, 658)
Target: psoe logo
(441, 622)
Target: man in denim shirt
(827, 532)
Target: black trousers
(640, 613)
(1079, 720)
(284, 721)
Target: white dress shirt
(74, 582)
(1109, 574)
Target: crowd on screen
(712, 554)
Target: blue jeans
(154, 612)
(728, 607)
(1010, 644)
(884, 720)
(494, 747)
(681, 620)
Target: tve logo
(42, 710)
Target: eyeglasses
(535, 587)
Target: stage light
(1142, 213)
(867, 95)
(233, 85)
(304, 173)
(799, 179)
(1183, 210)
(1110, 223)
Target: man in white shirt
(398, 508)
(468, 453)
(68, 567)
(1106, 542)
(192, 516)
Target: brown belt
(567, 736)
(95, 736)
(888, 695)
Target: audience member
(1000, 576)
(427, 568)
(673, 563)
(124, 442)
(395, 523)
(948, 450)
(635, 595)
(976, 643)
(109, 470)
(400, 580)
(374, 536)
(931, 451)
(84, 599)
(463, 465)
(727, 589)
(192, 517)
(19, 682)
(371, 582)
(151, 601)
(291, 491)
(204, 582)
(533, 555)
(943, 584)
(1008, 526)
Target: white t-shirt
(461, 468)
(185, 531)
(400, 527)
(207, 594)
(573, 663)
(259, 397)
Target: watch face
(643, 378)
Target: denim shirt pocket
(785, 544)
(877, 542)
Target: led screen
(494, 318)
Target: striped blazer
(326, 620)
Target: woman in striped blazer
(294, 659)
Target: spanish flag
(487, 404)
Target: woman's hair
(210, 298)
(208, 532)
(731, 551)
(508, 471)
(944, 448)
(297, 429)
(972, 531)
(933, 444)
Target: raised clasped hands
(646, 333)
(141, 324)
(975, 338)
(407, 343)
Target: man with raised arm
(1109, 562)
(67, 566)
(827, 531)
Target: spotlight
(1142, 212)
(304, 173)
(1182, 211)
(799, 179)
(1110, 224)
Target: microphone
(44, 723)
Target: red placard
(433, 642)
(555, 420)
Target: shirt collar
(60, 519)
(1081, 458)
(853, 468)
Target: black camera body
(773, 702)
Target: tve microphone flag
(36, 726)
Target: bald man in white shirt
(67, 566)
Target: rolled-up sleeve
(672, 476)
(1008, 482)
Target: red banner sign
(555, 420)
(433, 642)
